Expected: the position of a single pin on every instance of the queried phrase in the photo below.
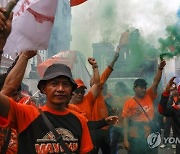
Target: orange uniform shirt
(86, 105)
(99, 109)
(134, 112)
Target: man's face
(78, 95)
(58, 90)
(140, 91)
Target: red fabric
(178, 88)
(160, 109)
(166, 94)
(64, 57)
(3, 121)
(76, 2)
(176, 107)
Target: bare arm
(158, 76)
(116, 56)
(95, 89)
(107, 72)
(15, 76)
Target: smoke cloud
(105, 20)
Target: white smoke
(90, 20)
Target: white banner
(31, 26)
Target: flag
(31, 26)
(64, 57)
(76, 2)
(72, 59)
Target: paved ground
(167, 150)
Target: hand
(170, 83)
(5, 25)
(2, 19)
(111, 120)
(162, 64)
(126, 144)
(92, 61)
(28, 54)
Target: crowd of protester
(72, 119)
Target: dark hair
(122, 86)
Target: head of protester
(140, 86)
(78, 94)
(121, 89)
(57, 84)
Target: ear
(43, 89)
(134, 89)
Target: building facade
(61, 32)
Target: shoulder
(81, 117)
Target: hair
(122, 86)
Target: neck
(57, 107)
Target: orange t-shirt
(24, 119)
(99, 109)
(75, 108)
(86, 105)
(13, 142)
(134, 112)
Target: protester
(86, 102)
(171, 110)
(122, 93)
(101, 137)
(136, 123)
(8, 139)
(58, 85)
(167, 130)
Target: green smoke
(170, 46)
(107, 16)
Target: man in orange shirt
(86, 102)
(101, 137)
(136, 123)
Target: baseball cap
(80, 83)
(56, 70)
(140, 82)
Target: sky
(104, 20)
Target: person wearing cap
(34, 136)
(136, 123)
(84, 101)
(169, 106)
(101, 137)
